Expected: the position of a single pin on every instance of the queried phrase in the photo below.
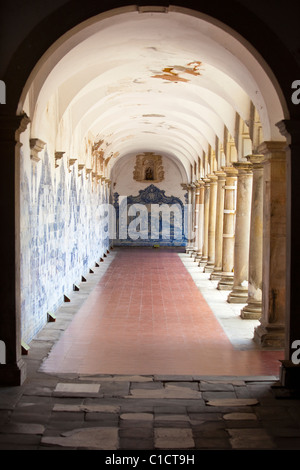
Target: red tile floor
(147, 316)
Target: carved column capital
(273, 149)
(243, 168)
(256, 161)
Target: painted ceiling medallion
(148, 168)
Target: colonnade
(237, 234)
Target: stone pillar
(186, 214)
(226, 281)
(271, 331)
(216, 274)
(290, 367)
(189, 217)
(200, 221)
(196, 219)
(13, 372)
(253, 309)
(212, 224)
(239, 293)
(193, 238)
(204, 258)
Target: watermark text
(2, 352)
(296, 93)
(296, 354)
(2, 92)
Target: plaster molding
(58, 156)
(36, 146)
(80, 168)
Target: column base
(289, 375)
(209, 268)
(252, 311)
(226, 282)
(12, 375)
(238, 295)
(198, 257)
(269, 336)
(203, 262)
(216, 275)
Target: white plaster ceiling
(162, 82)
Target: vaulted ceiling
(138, 81)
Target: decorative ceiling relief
(148, 168)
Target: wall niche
(148, 168)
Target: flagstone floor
(147, 315)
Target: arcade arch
(178, 83)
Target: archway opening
(169, 82)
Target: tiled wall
(152, 228)
(62, 235)
(127, 193)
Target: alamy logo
(2, 352)
(2, 92)
(296, 354)
(296, 94)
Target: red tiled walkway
(146, 316)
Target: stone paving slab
(247, 439)
(86, 408)
(229, 402)
(170, 438)
(23, 428)
(117, 378)
(240, 416)
(137, 416)
(86, 438)
(76, 389)
(169, 391)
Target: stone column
(13, 371)
(186, 214)
(216, 274)
(271, 331)
(226, 281)
(253, 309)
(290, 366)
(196, 219)
(188, 188)
(204, 258)
(200, 221)
(212, 224)
(193, 238)
(239, 293)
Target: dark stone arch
(281, 59)
(230, 12)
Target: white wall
(125, 185)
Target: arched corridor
(167, 150)
(112, 142)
